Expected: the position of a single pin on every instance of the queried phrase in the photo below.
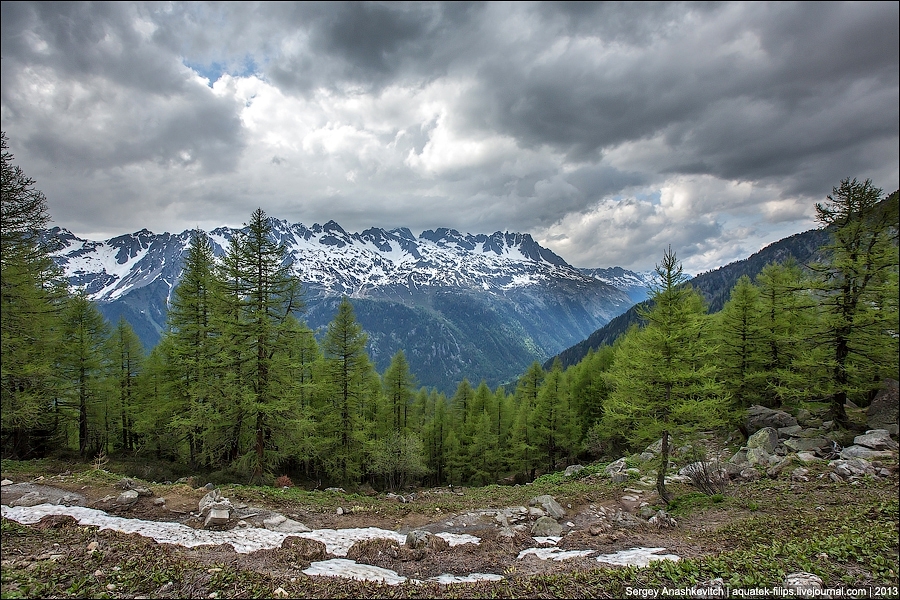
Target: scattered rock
(876, 439)
(159, 501)
(339, 511)
(759, 417)
(214, 500)
(128, 497)
(758, 456)
(336, 490)
(546, 527)
(804, 444)
(572, 470)
(808, 457)
(30, 499)
(126, 483)
(804, 585)
(93, 546)
(615, 467)
(549, 504)
(765, 439)
(662, 520)
(884, 409)
(792, 431)
(863, 452)
(800, 474)
(282, 524)
(216, 516)
(6, 482)
(852, 468)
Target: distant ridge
(715, 287)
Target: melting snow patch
(337, 541)
(447, 578)
(551, 540)
(341, 567)
(456, 539)
(638, 557)
(554, 553)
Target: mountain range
(458, 304)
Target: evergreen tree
(552, 419)
(348, 370)
(30, 304)
(859, 329)
(127, 357)
(522, 455)
(740, 344)
(664, 384)
(398, 388)
(83, 366)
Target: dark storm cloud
(630, 123)
(116, 99)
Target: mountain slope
(715, 287)
(458, 305)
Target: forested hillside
(239, 386)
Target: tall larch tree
(858, 286)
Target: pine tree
(741, 357)
(664, 384)
(398, 386)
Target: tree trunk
(663, 467)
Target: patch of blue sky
(214, 70)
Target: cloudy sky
(607, 131)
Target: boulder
(854, 467)
(216, 516)
(792, 431)
(758, 456)
(546, 527)
(6, 482)
(800, 474)
(876, 439)
(549, 504)
(863, 452)
(805, 444)
(765, 439)
(807, 457)
(739, 458)
(282, 524)
(804, 585)
(214, 500)
(572, 470)
(31, 499)
(418, 539)
(759, 417)
(128, 497)
(615, 466)
(884, 409)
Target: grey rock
(804, 585)
(534, 511)
(6, 482)
(647, 456)
(615, 466)
(549, 504)
(142, 491)
(214, 500)
(765, 439)
(759, 417)
(804, 444)
(800, 474)
(883, 411)
(749, 475)
(854, 467)
(620, 477)
(775, 470)
(863, 452)
(625, 520)
(216, 516)
(128, 497)
(662, 520)
(876, 439)
(572, 470)
(282, 524)
(339, 511)
(31, 499)
(209, 486)
(546, 526)
(126, 483)
(739, 458)
(758, 456)
(792, 431)
(808, 457)
(335, 490)
(159, 501)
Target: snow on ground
(639, 557)
(337, 542)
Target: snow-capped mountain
(635, 284)
(458, 304)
